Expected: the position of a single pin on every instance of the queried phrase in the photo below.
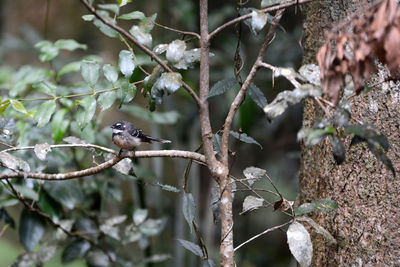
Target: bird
(127, 136)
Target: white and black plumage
(128, 136)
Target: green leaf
(141, 36)
(6, 218)
(123, 2)
(112, 7)
(253, 174)
(170, 81)
(44, 112)
(126, 63)
(106, 100)
(222, 86)
(41, 150)
(110, 72)
(89, 105)
(192, 247)
(318, 135)
(319, 229)
(338, 149)
(49, 206)
(90, 71)
(169, 188)
(152, 227)
(252, 203)
(45, 87)
(70, 67)
(14, 163)
(381, 155)
(68, 44)
(88, 17)
(140, 215)
(27, 192)
(75, 250)
(370, 135)
(59, 125)
(321, 205)
(189, 209)
(175, 51)
(300, 243)
(258, 20)
(133, 15)
(4, 105)
(31, 229)
(147, 24)
(47, 51)
(257, 96)
(128, 92)
(268, 3)
(288, 98)
(67, 193)
(216, 140)
(107, 30)
(245, 138)
(8, 202)
(18, 106)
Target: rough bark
(368, 218)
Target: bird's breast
(126, 142)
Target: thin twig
(262, 233)
(242, 92)
(140, 46)
(265, 10)
(178, 31)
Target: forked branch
(242, 92)
(140, 46)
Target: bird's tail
(164, 141)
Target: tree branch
(105, 149)
(242, 92)
(262, 233)
(213, 164)
(178, 31)
(265, 10)
(141, 47)
(199, 158)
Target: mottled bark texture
(367, 222)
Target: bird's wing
(136, 132)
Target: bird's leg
(120, 152)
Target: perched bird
(128, 136)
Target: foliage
(60, 109)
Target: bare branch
(141, 47)
(105, 149)
(262, 233)
(178, 31)
(242, 92)
(265, 10)
(213, 164)
(105, 165)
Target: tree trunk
(367, 222)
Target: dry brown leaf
(375, 35)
